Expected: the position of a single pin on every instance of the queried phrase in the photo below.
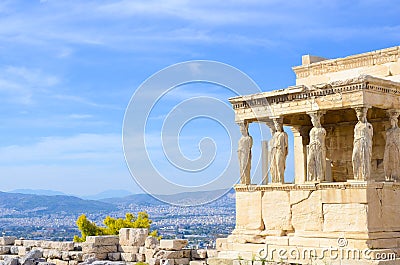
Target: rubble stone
(133, 236)
(129, 257)
(7, 240)
(103, 240)
(151, 242)
(173, 244)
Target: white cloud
(79, 148)
(19, 84)
(80, 116)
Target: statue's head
(315, 119)
(393, 117)
(361, 113)
(244, 128)
(278, 124)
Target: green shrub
(112, 225)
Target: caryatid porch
(335, 109)
(346, 149)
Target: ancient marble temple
(343, 114)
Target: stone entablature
(327, 96)
(319, 186)
(380, 63)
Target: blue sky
(69, 68)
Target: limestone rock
(76, 255)
(199, 253)
(7, 240)
(151, 242)
(167, 262)
(19, 242)
(212, 253)
(149, 253)
(165, 254)
(140, 257)
(133, 236)
(350, 217)
(154, 261)
(5, 250)
(14, 250)
(114, 256)
(23, 250)
(63, 246)
(52, 254)
(173, 244)
(45, 263)
(129, 257)
(58, 261)
(11, 261)
(128, 249)
(103, 240)
(182, 261)
(34, 254)
(280, 218)
(186, 253)
(197, 262)
(90, 256)
(92, 248)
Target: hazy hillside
(50, 204)
(108, 194)
(188, 198)
(37, 192)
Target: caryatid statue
(279, 152)
(316, 157)
(391, 158)
(362, 146)
(244, 153)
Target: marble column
(265, 162)
(300, 141)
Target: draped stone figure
(279, 152)
(244, 153)
(362, 146)
(391, 158)
(316, 157)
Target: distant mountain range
(51, 204)
(98, 196)
(187, 198)
(38, 192)
(23, 202)
(108, 194)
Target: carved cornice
(363, 82)
(360, 60)
(318, 186)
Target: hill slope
(51, 204)
(187, 198)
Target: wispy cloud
(82, 148)
(19, 84)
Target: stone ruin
(344, 204)
(133, 245)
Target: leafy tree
(112, 225)
(87, 228)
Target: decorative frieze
(355, 61)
